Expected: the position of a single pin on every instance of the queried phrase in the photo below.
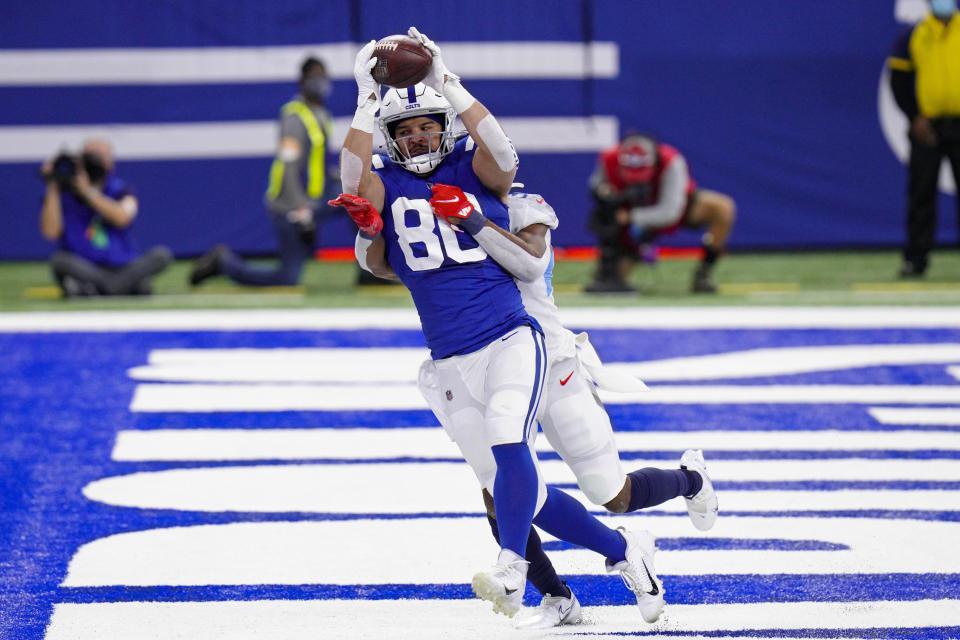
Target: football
(401, 62)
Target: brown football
(401, 61)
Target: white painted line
(431, 442)
(257, 138)
(274, 397)
(369, 551)
(916, 416)
(283, 365)
(219, 65)
(448, 487)
(435, 619)
(789, 394)
(401, 365)
(210, 320)
(282, 444)
(670, 318)
(151, 397)
(790, 360)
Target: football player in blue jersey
(487, 354)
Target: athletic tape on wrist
(497, 143)
(458, 97)
(363, 119)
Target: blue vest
(89, 236)
(464, 298)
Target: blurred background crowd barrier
(783, 105)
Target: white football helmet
(412, 102)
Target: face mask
(94, 167)
(317, 86)
(943, 8)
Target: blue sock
(514, 494)
(650, 487)
(567, 519)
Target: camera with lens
(65, 166)
(638, 195)
(64, 169)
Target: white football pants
(490, 397)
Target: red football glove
(451, 204)
(362, 212)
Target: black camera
(64, 170)
(638, 194)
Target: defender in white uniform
(572, 416)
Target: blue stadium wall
(775, 103)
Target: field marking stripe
(177, 397)
(353, 364)
(292, 619)
(352, 443)
(684, 590)
(669, 318)
(947, 417)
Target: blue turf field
(65, 397)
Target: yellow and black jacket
(925, 69)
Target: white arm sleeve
(497, 143)
(351, 169)
(360, 247)
(673, 198)
(512, 257)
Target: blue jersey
(464, 298)
(88, 235)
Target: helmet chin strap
(422, 163)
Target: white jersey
(527, 209)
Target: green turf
(834, 278)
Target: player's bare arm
(495, 161)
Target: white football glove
(367, 87)
(439, 74)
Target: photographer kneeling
(87, 211)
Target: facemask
(317, 86)
(943, 8)
(94, 166)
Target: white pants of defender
(578, 428)
(490, 397)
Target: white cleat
(638, 573)
(702, 507)
(503, 584)
(552, 612)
